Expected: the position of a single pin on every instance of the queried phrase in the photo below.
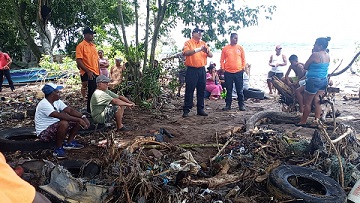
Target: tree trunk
(43, 30)
(146, 41)
(123, 27)
(24, 32)
(158, 21)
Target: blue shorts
(313, 85)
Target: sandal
(301, 125)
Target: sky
(302, 21)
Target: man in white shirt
(54, 120)
(277, 63)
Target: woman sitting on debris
(316, 78)
(212, 83)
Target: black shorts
(181, 76)
(84, 78)
(278, 75)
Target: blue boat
(30, 75)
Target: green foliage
(67, 69)
(219, 18)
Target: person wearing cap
(87, 60)
(54, 120)
(232, 60)
(15, 189)
(5, 62)
(106, 105)
(116, 73)
(196, 52)
(277, 62)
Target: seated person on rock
(54, 120)
(106, 105)
(212, 85)
(299, 70)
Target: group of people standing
(311, 78)
(232, 62)
(309, 84)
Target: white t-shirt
(43, 110)
(277, 60)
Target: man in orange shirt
(15, 189)
(232, 61)
(196, 52)
(87, 60)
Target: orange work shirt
(12, 187)
(232, 58)
(86, 51)
(198, 59)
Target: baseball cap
(50, 87)
(118, 59)
(102, 78)
(212, 63)
(198, 30)
(88, 30)
(278, 47)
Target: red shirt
(4, 60)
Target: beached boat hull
(32, 75)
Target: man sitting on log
(54, 120)
(299, 70)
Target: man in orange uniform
(196, 52)
(87, 60)
(232, 61)
(15, 189)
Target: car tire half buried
(23, 139)
(253, 93)
(290, 182)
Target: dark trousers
(236, 78)
(91, 90)
(195, 78)
(6, 72)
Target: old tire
(254, 93)
(289, 182)
(23, 139)
(81, 168)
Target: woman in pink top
(103, 63)
(212, 83)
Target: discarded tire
(289, 182)
(23, 139)
(81, 168)
(254, 93)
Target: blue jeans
(195, 78)
(236, 78)
(313, 85)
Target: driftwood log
(347, 67)
(274, 116)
